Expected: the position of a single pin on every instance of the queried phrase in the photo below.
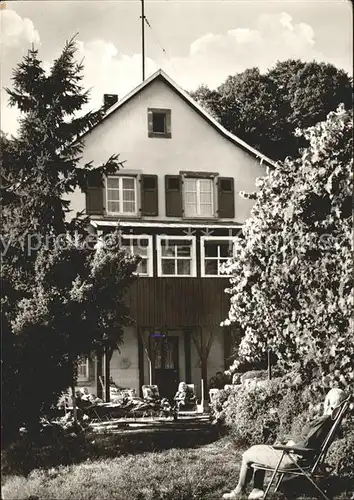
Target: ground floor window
(83, 369)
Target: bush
(341, 453)
(277, 408)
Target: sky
(194, 42)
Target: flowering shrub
(291, 281)
(274, 410)
(341, 453)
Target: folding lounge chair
(309, 465)
(213, 393)
(151, 395)
(151, 392)
(191, 405)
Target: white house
(177, 202)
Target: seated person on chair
(184, 397)
(312, 437)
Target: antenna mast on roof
(143, 38)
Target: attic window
(159, 123)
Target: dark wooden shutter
(173, 194)
(226, 197)
(94, 194)
(149, 195)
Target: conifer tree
(61, 296)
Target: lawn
(201, 473)
(182, 474)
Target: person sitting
(184, 397)
(312, 437)
(212, 383)
(218, 382)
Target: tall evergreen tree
(61, 296)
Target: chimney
(109, 100)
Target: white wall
(215, 359)
(195, 145)
(125, 365)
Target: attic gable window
(159, 122)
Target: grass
(179, 474)
(201, 473)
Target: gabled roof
(160, 74)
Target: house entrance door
(166, 365)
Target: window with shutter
(159, 123)
(149, 195)
(121, 195)
(173, 195)
(226, 197)
(198, 197)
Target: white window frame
(213, 198)
(193, 258)
(203, 239)
(83, 361)
(121, 177)
(150, 264)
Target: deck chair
(311, 465)
(213, 393)
(151, 395)
(193, 402)
(151, 392)
(191, 405)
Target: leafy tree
(209, 100)
(62, 297)
(316, 89)
(266, 109)
(291, 278)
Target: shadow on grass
(50, 449)
(338, 487)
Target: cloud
(106, 70)
(210, 59)
(16, 31)
(16, 34)
(272, 37)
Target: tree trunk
(74, 399)
(106, 374)
(204, 372)
(98, 368)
